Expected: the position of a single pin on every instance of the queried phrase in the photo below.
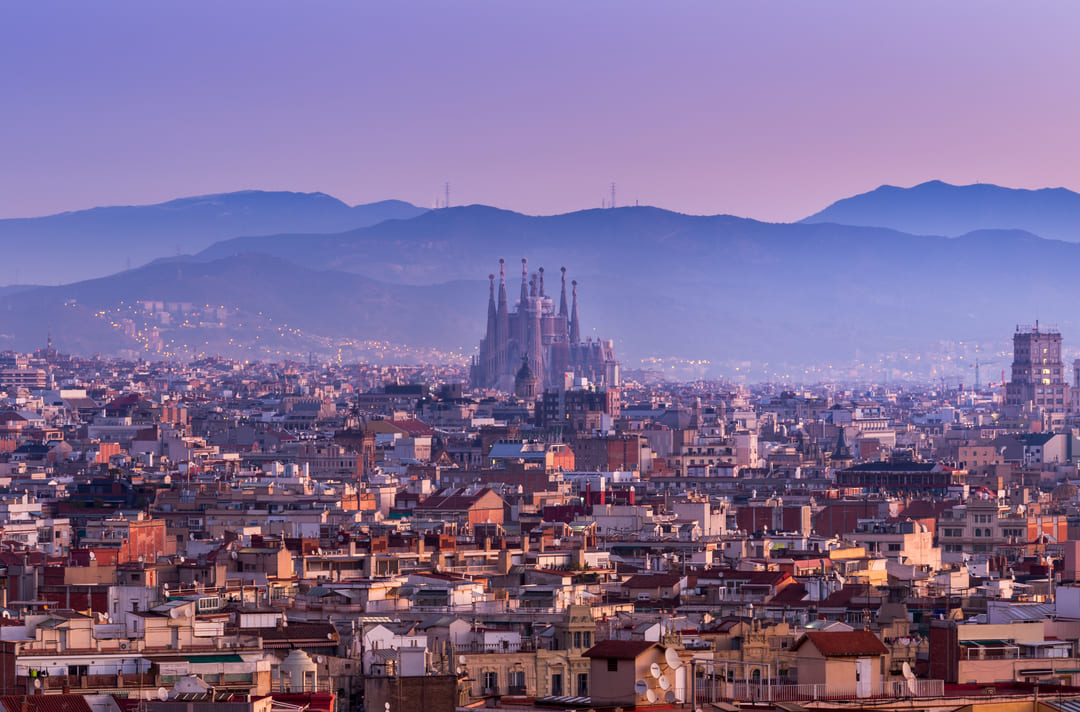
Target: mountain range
(765, 297)
(66, 247)
(937, 208)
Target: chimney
(505, 561)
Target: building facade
(1038, 374)
(547, 339)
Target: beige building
(904, 541)
(555, 667)
(633, 673)
(843, 660)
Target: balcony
(892, 689)
(87, 683)
(524, 646)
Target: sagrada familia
(536, 341)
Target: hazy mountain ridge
(100, 241)
(466, 242)
(660, 283)
(938, 208)
(321, 303)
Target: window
(583, 684)
(491, 680)
(612, 664)
(586, 640)
(556, 684)
(577, 639)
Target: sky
(770, 110)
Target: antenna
(446, 189)
(612, 195)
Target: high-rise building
(547, 339)
(1038, 374)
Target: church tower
(525, 383)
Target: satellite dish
(37, 683)
(907, 671)
(650, 696)
(458, 670)
(641, 687)
(162, 694)
(669, 696)
(672, 659)
(654, 670)
(233, 555)
(911, 686)
(664, 683)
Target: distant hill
(937, 208)
(240, 302)
(773, 297)
(89, 243)
(466, 242)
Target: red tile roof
(844, 644)
(618, 649)
(652, 581)
(413, 428)
(453, 501)
(792, 595)
(45, 703)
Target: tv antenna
(446, 194)
(612, 195)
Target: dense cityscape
(539, 356)
(537, 531)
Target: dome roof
(525, 372)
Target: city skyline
(539, 356)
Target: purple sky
(765, 109)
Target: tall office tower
(1037, 371)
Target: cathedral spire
(562, 297)
(524, 283)
(492, 312)
(502, 287)
(575, 327)
(502, 326)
